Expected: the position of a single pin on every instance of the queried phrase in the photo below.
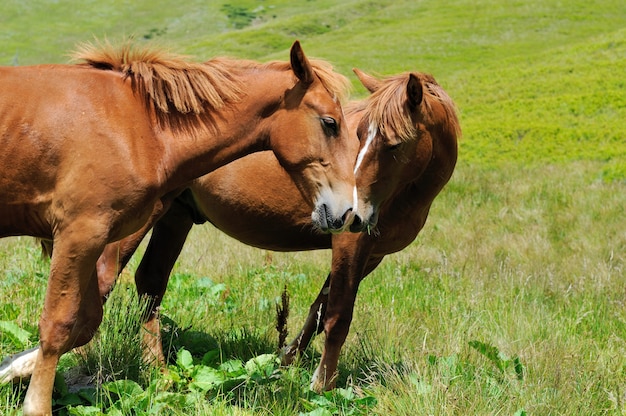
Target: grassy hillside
(511, 301)
(535, 81)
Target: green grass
(529, 263)
(536, 81)
(522, 258)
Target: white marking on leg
(18, 366)
(316, 384)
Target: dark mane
(387, 107)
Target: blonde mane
(386, 107)
(181, 92)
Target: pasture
(511, 301)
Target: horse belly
(254, 200)
(27, 165)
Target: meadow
(510, 301)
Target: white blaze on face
(371, 133)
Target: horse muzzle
(359, 224)
(329, 222)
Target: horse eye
(393, 147)
(330, 125)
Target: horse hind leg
(313, 325)
(168, 238)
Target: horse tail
(46, 248)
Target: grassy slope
(537, 81)
(525, 256)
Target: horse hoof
(287, 355)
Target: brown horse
(408, 132)
(90, 152)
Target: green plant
(115, 352)
(338, 402)
(240, 16)
(502, 362)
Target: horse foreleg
(18, 367)
(72, 311)
(167, 240)
(351, 262)
(337, 319)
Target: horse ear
(414, 91)
(301, 65)
(372, 84)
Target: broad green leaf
(233, 368)
(114, 411)
(59, 384)
(491, 352)
(346, 394)
(15, 333)
(207, 378)
(69, 399)
(420, 386)
(184, 359)
(322, 400)
(367, 401)
(211, 357)
(263, 364)
(84, 411)
(204, 282)
(320, 411)
(218, 289)
(519, 368)
(124, 388)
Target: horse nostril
(336, 224)
(357, 224)
(347, 216)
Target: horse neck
(239, 129)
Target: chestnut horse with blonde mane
(408, 131)
(92, 152)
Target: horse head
(311, 141)
(401, 126)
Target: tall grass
(502, 262)
(116, 353)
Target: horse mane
(336, 84)
(387, 107)
(182, 93)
